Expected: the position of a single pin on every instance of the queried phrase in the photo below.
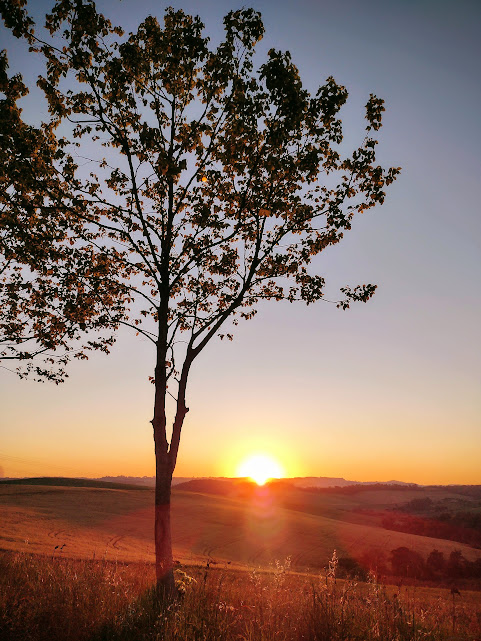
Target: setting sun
(260, 468)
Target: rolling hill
(59, 481)
(237, 523)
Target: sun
(260, 468)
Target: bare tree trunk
(165, 460)
(163, 537)
(164, 467)
(163, 481)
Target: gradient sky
(387, 390)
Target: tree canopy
(54, 292)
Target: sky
(386, 390)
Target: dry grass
(60, 599)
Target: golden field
(249, 530)
(76, 564)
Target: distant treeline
(464, 527)
(406, 563)
(438, 519)
(356, 489)
(473, 491)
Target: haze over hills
(300, 481)
(304, 481)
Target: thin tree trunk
(165, 460)
(163, 537)
(164, 464)
(163, 481)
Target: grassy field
(250, 531)
(45, 599)
(76, 564)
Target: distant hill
(216, 485)
(237, 487)
(289, 494)
(149, 481)
(120, 482)
(55, 481)
(332, 481)
(301, 481)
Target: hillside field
(76, 564)
(248, 526)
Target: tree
(53, 292)
(207, 182)
(456, 565)
(435, 563)
(406, 562)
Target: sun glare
(260, 468)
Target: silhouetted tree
(351, 569)
(206, 181)
(435, 563)
(456, 565)
(407, 563)
(53, 292)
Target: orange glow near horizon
(260, 468)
